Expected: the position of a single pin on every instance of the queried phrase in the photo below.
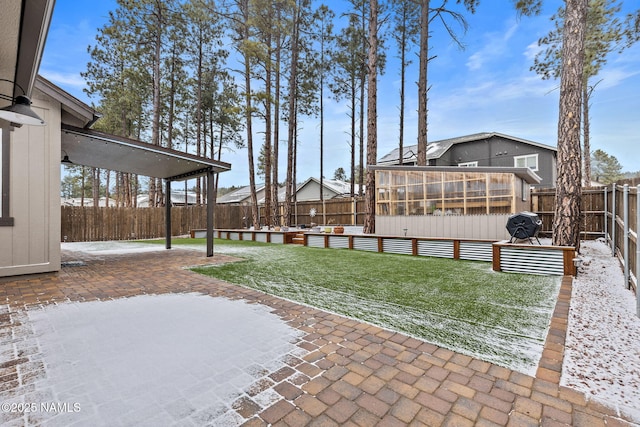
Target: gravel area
(602, 356)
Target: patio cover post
(210, 203)
(167, 215)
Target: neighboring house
(241, 195)
(331, 188)
(177, 199)
(307, 191)
(485, 149)
(282, 194)
(88, 201)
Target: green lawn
(461, 305)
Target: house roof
(436, 149)
(242, 194)
(526, 174)
(177, 198)
(282, 194)
(88, 147)
(74, 111)
(335, 186)
(23, 31)
(239, 195)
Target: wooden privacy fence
(622, 205)
(87, 224)
(342, 211)
(120, 223)
(610, 212)
(593, 211)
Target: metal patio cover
(88, 147)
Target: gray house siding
(487, 149)
(501, 152)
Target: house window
(529, 161)
(526, 189)
(4, 176)
(468, 165)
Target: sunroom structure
(406, 196)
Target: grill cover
(524, 225)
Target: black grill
(524, 225)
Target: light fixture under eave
(65, 160)
(20, 112)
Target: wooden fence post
(496, 257)
(638, 250)
(613, 220)
(625, 233)
(606, 216)
(456, 249)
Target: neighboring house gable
(282, 193)
(307, 191)
(485, 149)
(241, 195)
(310, 189)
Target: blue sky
(487, 87)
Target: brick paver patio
(350, 373)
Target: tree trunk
(422, 83)
(106, 186)
(124, 195)
(292, 123)
(172, 98)
(95, 183)
(276, 129)
(372, 119)
(322, 65)
(244, 5)
(155, 126)
(218, 153)
(586, 135)
(268, 153)
(353, 138)
(199, 197)
(363, 80)
(566, 224)
(403, 66)
(125, 187)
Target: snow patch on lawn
(602, 353)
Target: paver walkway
(349, 374)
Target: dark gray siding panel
(497, 151)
